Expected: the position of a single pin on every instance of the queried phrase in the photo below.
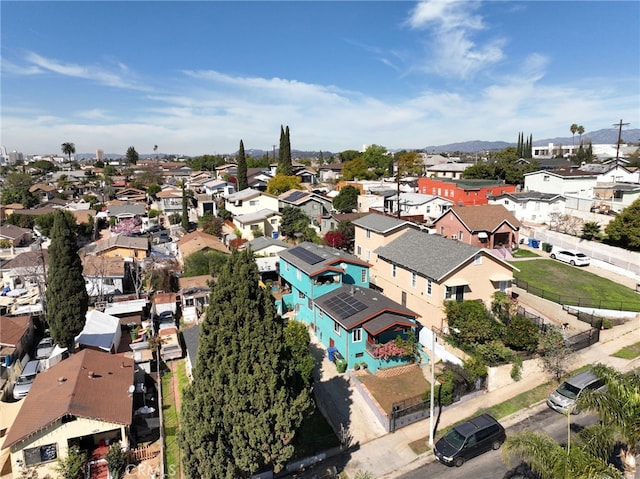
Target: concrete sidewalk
(390, 456)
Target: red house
(463, 192)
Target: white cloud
(93, 73)
(450, 26)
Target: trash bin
(534, 243)
(331, 353)
(341, 365)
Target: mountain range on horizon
(604, 136)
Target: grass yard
(315, 435)
(170, 415)
(524, 253)
(575, 284)
(390, 390)
(628, 352)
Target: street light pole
(433, 383)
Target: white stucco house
(531, 206)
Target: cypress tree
(288, 168)
(185, 210)
(247, 400)
(243, 182)
(66, 295)
(280, 168)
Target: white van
(25, 380)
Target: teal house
(329, 291)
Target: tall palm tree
(68, 149)
(619, 407)
(580, 131)
(586, 458)
(574, 129)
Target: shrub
(495, 353)
(521, 334)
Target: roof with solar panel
(312, 258)
(352, 306)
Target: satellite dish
(343, 266)
(132, 389)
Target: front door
(331, 343)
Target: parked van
(564, 398)
(469, 439)
(25, 380)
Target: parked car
(44, 348)
(574, 258)
(469, 439)
(25, 380)
(563, 399)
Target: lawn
(397, 388)
(546, 278)
(170, 417)
(524, 253)
(628, 352)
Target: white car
(574, 258)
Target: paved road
(491, 465)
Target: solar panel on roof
(344, 305)
(305, 255)
(296, 195)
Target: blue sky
(197, 77)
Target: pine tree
(243, 182)
(185, 209)
(287, 155)
(279, 169)
(66, 295)
(247, 400)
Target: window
(357, 335)
(300, 295)
(253, 203)
(274, 221)
(336, 328)
(460, 235)
(363, 276)
(394, 270)
(477, 259)
(309, 304)
(506, 202)
(503, 285)
(368, 234)
(40, 454)
(448, 294)
(442, 230)
(286, 266)
(298, 274)
(359, 250)
(189, 302)
(429, 286)
(367, 254)
(359, 355)
(545, 178)
(414, 279)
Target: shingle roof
(483, 217)
(67, 389)
(256, 216)
(529, 195)
(329, 258)
(380, 223)
(428, 255)
(245, 194)
(12, 329)
(28, 259)
(121, 241)
(370, 304)
(262, 242)
(12, 231)
(199, 240)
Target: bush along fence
(578, 301)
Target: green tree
(348, 230)
(281, 183)
(624, 229)
(470, 322)
(521, 334)
(297, 339)
(66, 296)
(243, 182)
(591, 230)
(375, 156)
(153, 189)
(409, 164)
(15, 189)
(356, 169)
(348, 155)
(573, 129)
(132, 155)
(72, 466)
(68, 149)
(244, 407)
(116, 460)
(347, 200)
(619, 408)
(294, 220)
(44, 165)
(184, 220)
(580, 131)
(554, 353)
(211, 224)
(583, 459)
(284, 154)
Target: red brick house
(463, 192)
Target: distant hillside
(469, 146)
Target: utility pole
(432, 361)
(619, 125)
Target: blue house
(330, 292)
(310, 270)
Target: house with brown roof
(25, 270)
(17, 338)
(198, 241)
(103, 275)
(484, 226)
(132, 247)
(194, 295)
(43, 191)
(16, 235)
(84, 401)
